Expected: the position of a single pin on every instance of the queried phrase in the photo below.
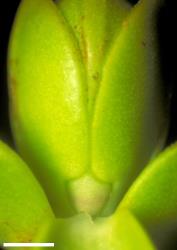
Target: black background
(7, 12)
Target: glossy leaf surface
(153, 196)
(86, 97)
(24, 207)
(47, 97)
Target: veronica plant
(88, 113)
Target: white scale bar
(28, 244)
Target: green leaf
(24, 207)
(118, 232)
(48, 96)
(153, 196)
(130, 120)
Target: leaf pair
(86, 97)
(24, 208)
(152, 199)
(25, 212)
